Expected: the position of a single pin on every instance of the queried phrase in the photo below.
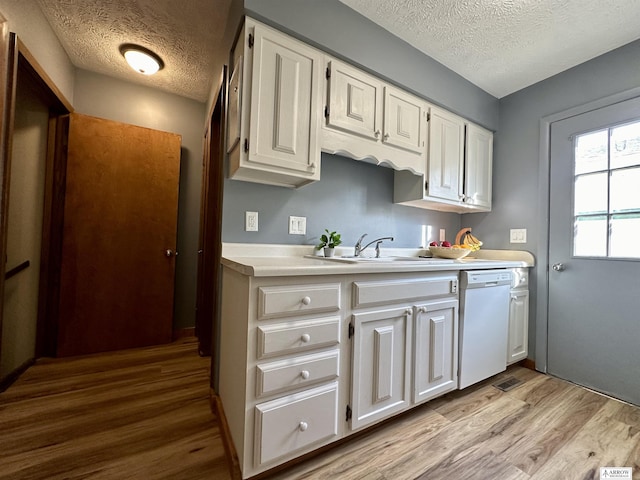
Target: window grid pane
(606, 206)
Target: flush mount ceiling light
(141, 59)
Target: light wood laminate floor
(145, 414)
(543, 429)
(136, 414)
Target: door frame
(210, 242)
(16, 58)
(7, 107)
(544, 177)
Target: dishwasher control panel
(484, 278)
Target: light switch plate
(250, 221)
(297, 225)
(518, 235)
(443, 235)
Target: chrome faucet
(359, 248)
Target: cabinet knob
(407, 311)
(305, 338)
(312, 167)
(386, 136)
(377, 133)
(304, 374)
(306, 300)
(422, 309)
(302, 426)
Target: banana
(472, 241)
(475, 240)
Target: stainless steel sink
(351, 259)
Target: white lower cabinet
(410, 342)
(435, 359)
(381, 362)
(518, 325)
(306, 361)
(291, 423)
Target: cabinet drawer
(374, 293)
(298, 299)
(297, 336)
(294, 422)
(288, 374)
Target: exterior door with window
(594, 254)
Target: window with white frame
(606, 202)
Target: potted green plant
(329, 241)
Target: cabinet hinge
(349, 413)
(426, 185)
(428, 117)
(326, 111)
(328, 73)
(246, 144)
(251, 40)
(352, 330)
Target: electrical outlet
(250, 221)
(297, 225)
(443, 235)
(518, 235)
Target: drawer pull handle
(306, 300)
(303, 426)
(305, 338)
(304, 374)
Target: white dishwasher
(484, 324)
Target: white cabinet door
(446, 150)
(518, 326)
(478, 166)
(354, 101)
(435, 349)
(403, 120)
(380, 382)
(285, 104)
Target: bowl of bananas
(446, 250)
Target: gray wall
(106, 97)
(516, 184)
(352, 198)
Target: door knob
(169, 253)
(558, 267)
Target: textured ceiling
(499, 45)
(505, 45)
(185, 34)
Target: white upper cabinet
(367, 119)
(354, 101)
(280, 124)
(289, 101)
(478, 166)
(403, 121)
(446, 155)
(458, 168)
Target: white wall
(25, 18)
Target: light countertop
(267, 260)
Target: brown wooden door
(120, 218)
